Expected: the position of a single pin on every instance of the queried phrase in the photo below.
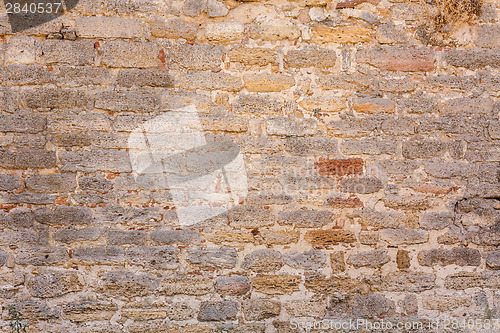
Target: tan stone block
(276, 284)
(353, 34)
(268, 82)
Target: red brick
(339, 167)
(398, 59)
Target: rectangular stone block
(56, 183)
(130, 54)
(49, 98)
(322, 34)
(276, 284)
(101, 160)
(291, 127)
(74, 53)
(10, 182)
(122, 237)
(339, 167)
(207, 80)
(268, 82)
(253, 56)
(108, 27)
(83, 76)
(22, 124)
(71, 235)
(473, 58)
(173, 28)
(102, 255)
(19, 75)
(27, 159)
(197, 57)
(135, 100)
(398, 59)
(311, 57)
(145, 77)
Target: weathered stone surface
(474, 58)
(54, 283)
(232, 285)
(493, 260)
(64, 215)
(373, 258)
(127, 284)
(276, 284)
(456, 256)
(288, 127)
(408, 281)
(41, 256)
(10, 182)
(403, 259)
(304, 218)
(158, 257)
(363, 306)
(250, 217)
(308, 260)
(311, 57)
(363, 185)
(219, 258)
(130, 54)
(197, 57)
(303, 308)
(182, 236)
(86, 310)
(436, 220)
(404, 236)
(379, 219)
(263, 261)
(223, 32)
(27, 159)
(280, 237)
(210, 81)
(339, 167)
(51, 183)
(173, 28)
(337, 261)
(99, 255)
(464, 280)
(268, 82)
(329, 237)
(398, 59)
(186, 285)
(107, 27)
(260, 309)
(350, 34)
(216, 311)
(144, 77)
(72, 235)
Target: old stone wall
(371, 142)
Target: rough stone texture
(370, 143)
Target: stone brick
(493, 260)
(56, 183)
(195, 285)
(20, 218)
(340, 202)
(403, 259)
(250, 217)
(20, 50)
(20, 75)
(276, 284)
(408, 281)
(436, 220)
(3, 259)
(364, 185)
(41, 256)
(279, 237)
(362, 306)
(306, 308)
(180, 236)
(399, 126)
(27, 159)
(197, 57)
(36, 309)
(208, 80)
(273, 29)
(323, 104)
(87, 310)
(337, 262)
(321, 284)
(464, 280)
(127, 284)
(462, 82)
(305, 146)
(10, 182)
(157, 257)
(257, 104)
(218, 258)
(374, 105)
(373, 258)
(64, 215)
(304, 218)
(52, 283)
(289, 127)
(121, 237)
(344, 81)
(369, 237)
(308, 260)
(253, 55)
(404, 236)
(259, 309)
(268, 82)
(95, 160)
(473, 58)
(144, 77)
(55, 98)
(263, 261)
(74, 53)
(103, 255)
(415, 202)
(443, 257)
(398, 59)
(22, 124)
(414, 149)
(368, 147)
(217, 311)
(232, 285)
(225, 31)
(339, 167)
(311, 57)
(107, 27)
(216, 8)
(468, 105)
(322, 34)
(135, 100)
(194, 8)
(71, 235)
(130, 54)
(173, 28)
(329, 237)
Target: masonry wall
(372, 149)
